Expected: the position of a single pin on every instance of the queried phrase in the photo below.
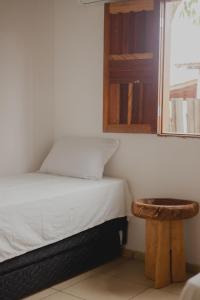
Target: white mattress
(37, 209)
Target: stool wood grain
(165, 256)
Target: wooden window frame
(161, 77)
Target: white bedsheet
(191, 290)
(37, 209)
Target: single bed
(54, 227)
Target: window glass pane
(181, 82)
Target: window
(131, 63)
(180, 68)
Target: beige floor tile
(103, 287)
(111, 266)
(108, 268)
(174, 288)
(41, 295)
(152, 294)
(61, 296)
(70, 282)
(133, 271)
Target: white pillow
(79, 157)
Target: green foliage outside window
(191, 8)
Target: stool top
(165, 209)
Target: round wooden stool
(165, 258)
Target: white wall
(26, 81)
(154, 166)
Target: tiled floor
(119, 280)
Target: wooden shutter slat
(140, 32)
(131, 33)
(133, 128)
(131, 6)
(150, 32)
(116, 34)
(141, 95)
(124, 37)
(131, 56)
(123, 103)
(136, 96)
(114, 103)
(130, 102)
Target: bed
(54, 227)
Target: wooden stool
(165, 257)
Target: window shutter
(131, 55)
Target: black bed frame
(44, 267)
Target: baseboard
(137, 255)
(192, 268)
(127, 253)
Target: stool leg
(162, 274)
(151, 246)
(178, 266)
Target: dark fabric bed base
(42, 268)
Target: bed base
(44, 267)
